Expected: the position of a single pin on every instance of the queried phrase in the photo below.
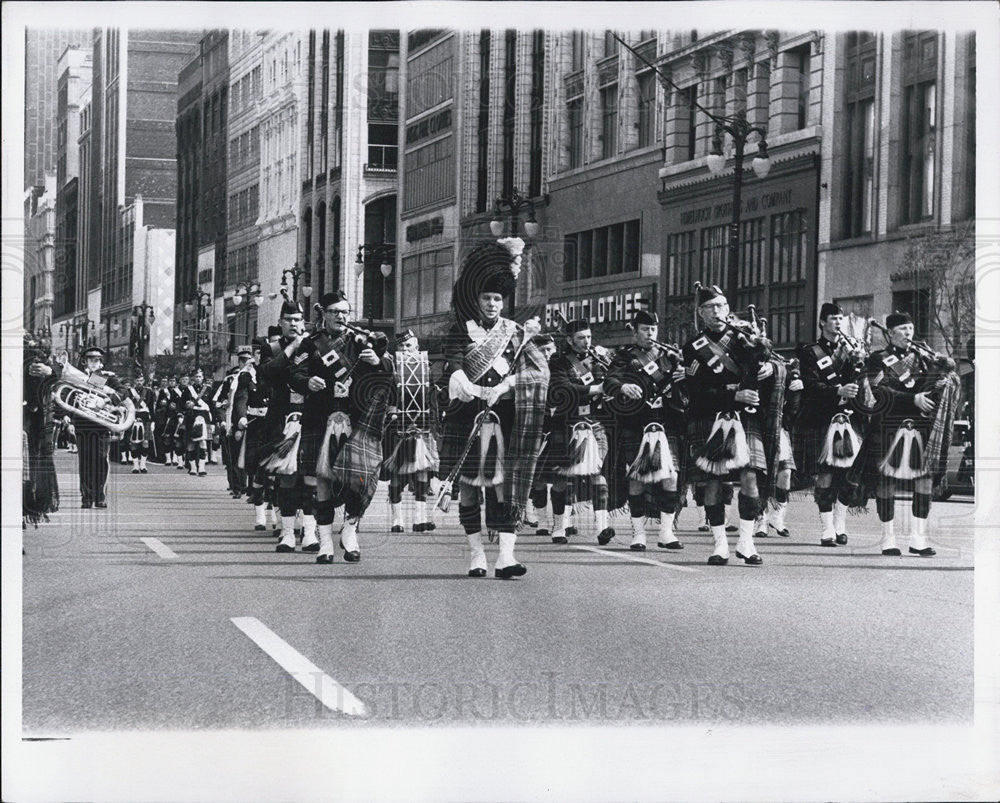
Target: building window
(430, 174)
(427, 280)
(753, 251)
(430, 74)
(647, 109)
(577, 48)
(800, 58)
(789, 247)
(483, 123)
(610, 44)
(714, 255)
(605, 251)
(509, 107)
(382, 146)
(917, 303)
(609, 121)
(919, 134)
(690, 99)
(859, 161)
(575, 111)
(682, 251)
(536, 113)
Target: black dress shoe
(100, 504)
(542, 531)
(750, 560)
(135, 471)
(417, 528)
(842, 538)
(892, 553)
(760, 534)
(926, 552)
(571, 530)
(670, 545)
(284, 548)
(731, 528)
(477, 572)
(509, 572)
(86, 504)
(717, 560)
(604, 536)
(783, 532)
(324, 558)
(143, 471)
(827, 542)
(704, 528)
(351, 557)
(429, 525)
(637, 547)
(260, 527)
(396, 528)
(560, 539)
(311, 547)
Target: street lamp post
(248, 292)
(202, 300)
(514, 202)
(740, 131)
(386, 252)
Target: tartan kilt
(875, 447)
(310, 442)
(455, 434)
(251, 447)
(552, 457)
(393, 468)
(355, 468)
(698, 432)
(556, 452)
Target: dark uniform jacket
(335, 360)
(571, 379)
(820, 400)
(276, 373)
(252, 395)
(653, 372)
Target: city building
(202, 132)
(133, 153)
(474, 127)
(282, 117)
(898, 178)
(39, 254)
(348, 208)
(242, 189)
(73, 96)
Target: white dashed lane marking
(302, 670)
(159, 547)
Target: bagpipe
(753, 349)
(938, 369)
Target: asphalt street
(168, 611)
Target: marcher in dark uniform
(831, 422)
(734, 422)
(196, 422)
(167, 405)
(491, 375)
(347, 382)
(578, 443)
(250, 404)
(772, 516)
(140, 435)
(283, 426)
(644, 383)
(222, 416)
(40, 488)
(909, 434)
(93, 439)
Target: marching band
(311, 422)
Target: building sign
(604, 309)
(424, 229)
(752, 205)
(428, 127)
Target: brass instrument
(85, 397)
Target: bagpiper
(644, 386)
(168, 403)
(908, 436)
(222, 416)
(578, 443)
(832, 420)
(283, 426)
(40, 486)
(141, 433)
(734, 422)
(249, 409)
(411, 444)
(772, 516)
(497, 384)
(346, 379)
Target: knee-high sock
(477, 553)
(397, 514)
(420, 511)
(888, 535)
(719, 536)
(506, 556)
(745, 545)
(840, 517)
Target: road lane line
(303, 671)
(620, 556)
(159, 547)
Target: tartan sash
(487, 346)
(901, 368)
(826, 364)
(716, 355)
(331, 353)
(585, 377)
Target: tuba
(78, 395)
